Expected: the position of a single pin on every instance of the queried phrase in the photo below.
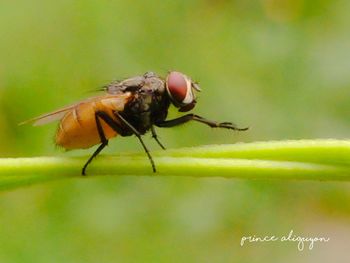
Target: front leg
(193, 117)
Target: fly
(132, 106)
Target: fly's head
(180, 89)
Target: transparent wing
(49, 117)
(115, 102)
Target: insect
(129, 107)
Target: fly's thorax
(148, 106)
(153, 83)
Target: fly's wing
(114, 102)
(49, 117)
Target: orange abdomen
(78, 130)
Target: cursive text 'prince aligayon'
(301, 241)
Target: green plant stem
(322, 151)
(304, 159)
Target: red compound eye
(177, 86)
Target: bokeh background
(280, 67)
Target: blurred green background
(280, 67)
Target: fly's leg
(99, 149)
(193, 117)
(155, 136)
(116, 126)
(138, 135)
(104, 142)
